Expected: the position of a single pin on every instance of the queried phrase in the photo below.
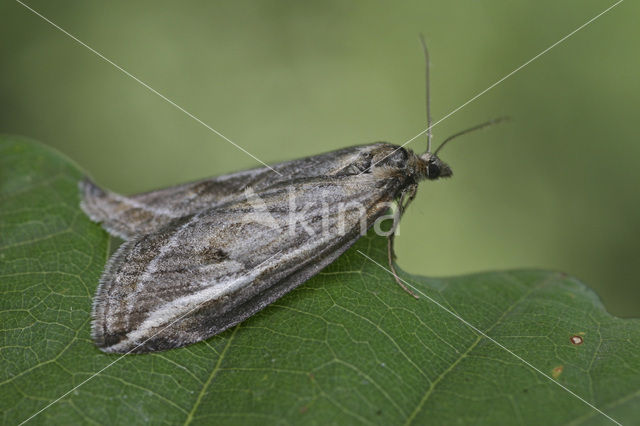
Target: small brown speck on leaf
(577, 340)
(557, 371)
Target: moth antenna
(425, 51)
(471, 129)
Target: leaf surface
(347, 347)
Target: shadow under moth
(201, 257)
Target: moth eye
(433, 170)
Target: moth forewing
(128, 216)
(203, 273)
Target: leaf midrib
(212, 375)
(463, 355)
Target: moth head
(435, 168)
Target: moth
(195, 260)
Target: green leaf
(347, 347)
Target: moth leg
(391, 255)
(404, 201)
(411, 191)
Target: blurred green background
(556, 188)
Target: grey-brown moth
(203, 256)
(185, 276)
